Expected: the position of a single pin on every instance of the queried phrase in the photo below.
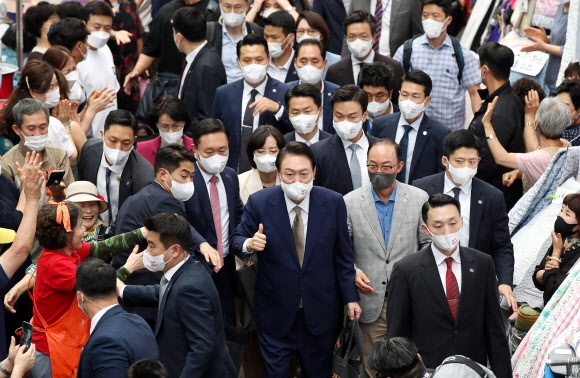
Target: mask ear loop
(27, 83)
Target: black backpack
(457, 52)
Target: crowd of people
(209, 188)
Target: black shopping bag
(348, 354)
(162, 84)
(246, 280)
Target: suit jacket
(138, 172)
(327, 117)
(148, 149)
(341, 73)
(405, 20)
(371, 256)
(428, 145)
(250, 183)
(292, 75)
(334, 14)
(206, 73)
(118, 340)
(227, 107)
(332, 170)
(324, 283)
(189, 329)
(417, 308)
(198, 207)
(291, 137)
(488, 223)
(216, 41)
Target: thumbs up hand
(258, 242)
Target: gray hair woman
(542, 139)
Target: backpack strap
(407, 51)
(458, 53)
(458, 359)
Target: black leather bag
(246, 280)
(348, 354)
(162, 84)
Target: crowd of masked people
(199, 190)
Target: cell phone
(55, 178)
(26, 338)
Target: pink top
(533, 164)
(149, 148)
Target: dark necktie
(379, 19)
(107, 182)
(181, 77)
(404, 144)
(452, 288)
(456, 192)
(247, 129)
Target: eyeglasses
(364, 37)
(311, 32)
(373, 168)
(378, 98)
(168, 128)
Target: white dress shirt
(412, 139)
(361, 154)
(116, 172)
(384, 47)
(95, 319)
(280, 73)
(312, 140)
(304, 207)
(465, 202)
(442, 266)
(356, 64)
(169, 274)
(246, 98)
(189, 59)
(224, 211)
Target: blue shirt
(557, 38)
(385, 213)
(229, 55)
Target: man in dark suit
(113, 165)
(203, 72)
(215, 209)
(310, 64)
(341, 159)
(360, 28)
(444, 297)
(401, 18)
(333, 12)
(189, 328)
(279, 31)
(245, 104)
(483, 209)
(306, 266)
(420, 137)
(118, 339)
(173, 184)
(304, 103)
(378, 81)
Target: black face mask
(563, 228)
(382, 181)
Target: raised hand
(258, 241)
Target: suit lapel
(127, 178)
(347, 73)
(370, 212)
(340, 161)
(167, 291)
(423, 135)
(192, 65)
(430, 275)
(468, 275)
(476, 211)
(399, 211)
(229, 186)
(203, 195)
(326, 110)
(271, 93)
(281, 223)
(236, 94)
(396, 4)
(315, 220)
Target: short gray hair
(553, 117)
(28, 107)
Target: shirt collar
(362, 142)
(207, 176)
(286, 65)
(191, 56)
(169, 274)
(440, 257)
(369, 59)
(260, 88)
(448, 186)
(415, 125)
(313, 140)
(99, 315)
(424, 41)
(225, 31)
(391, 197)
(304, 205)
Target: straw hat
(85, 191)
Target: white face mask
(461, 176)
(275, 48)
(233, 19)
(86, 53)
(347, 130)
(432, 28)
(411, 109)
(77, 93)
(180, 191)
(113, 156)
(359, 48)
(265, 163)
(446, 242)
(376, 109)
(171, 136)
(213, 165)
(155, 263)
(310, 74)
(98, 39)
(36, 143)
(72, 78)
(304, 123)
(52, 98)
(175, 41)
(267, 12)
(254, 73)
(300, 39)
(296, 191)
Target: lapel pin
(471, 270)
(424, 133)
(274, 90)
(480, 202)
